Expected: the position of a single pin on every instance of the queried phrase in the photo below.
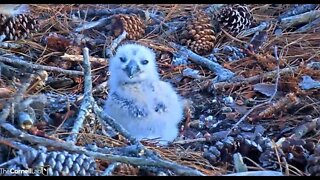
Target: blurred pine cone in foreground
(15, 23)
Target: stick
(16, 100)
(298, 10)
(111, 167)
(187, 141)
(157, 162)
(250, 31)
(270, 99)
(213, 9)
(86, 104)
(222, 73)
(245, 116)
(233, 38)
(18, 61)
(253, 79)
(299, 19)
(89, 25)
(303, 129)
(104, 118)
(311, 25)
(108, 12)
(115, 43)
(256, 173)
(278, 74)
(79, 58)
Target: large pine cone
(235, 18)
(132, 24)
(56, 163)
(198, 34)
(18, 27)
(63, 163)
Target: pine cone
(18, 27)
(199, 34)
(132, 24)
(63, 163)
(235, 18)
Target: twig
(256, 173)
(89, 25)
(111, 11)
(115, 43)
(111, 167)
(18, 61)
(14, 144)
(303, 129)
(238, 82)
(298, 10)
(79, 58)
(270, 99)
(9, 71)
(311, 25)
(17, 98)
(245, 116)
(213, 9)
(233, 38)
(250, 31)
(104, 118)
(157, 162)
(187, 141)
(278, 74)
(11, 161)
(299, 19)
(86, 104)
(222, 73)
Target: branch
(111, 167)
(79, 58)
(115, 43)
(305, 128)
(253, 30)
(298, 10)
(299, 19)
(89, 25)
(108, 12)
(265, 103)
(86, 104)
(245, 116)
(104, 118)
(143, 161)
(222, 73)
(311, 25)
(256, 173)
(278, 74)
(239, 81)
(18, 61)
(16, 100)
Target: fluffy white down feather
(143, 104)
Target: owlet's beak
(132, 68)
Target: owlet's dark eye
(122, 59)
(144, 62)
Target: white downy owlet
(138, 100)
